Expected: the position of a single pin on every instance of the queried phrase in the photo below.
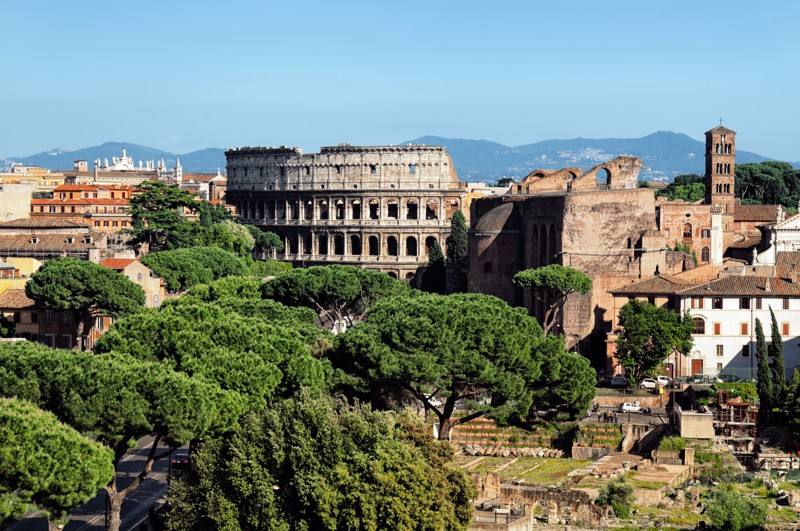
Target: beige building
(379, 207)
(15, 200)
(140, 274)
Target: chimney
(767, 286)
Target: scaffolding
(735, 424)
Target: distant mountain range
(664, 155)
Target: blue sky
(182, 76)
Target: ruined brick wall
(378, 206)
(686, 223)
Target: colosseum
(379, 207)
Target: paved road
(91, 515)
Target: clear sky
(185, 75)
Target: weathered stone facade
(378, 207)
(607, 230)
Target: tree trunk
(116, 497)
(79, 332)
(115, 500)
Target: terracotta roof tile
(744, 286)
(787, 263)
(117, 263)
(765, 213)
(15, 298)
(40, 223)
(660, 285)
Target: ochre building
(379, 207)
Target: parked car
(663, 380)
(648, 383)
(604, 381)
(619, 381)
(679, 381)
(704, 379)
(632, 407)
(729, 378)
(179, 461)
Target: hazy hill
(664, 154)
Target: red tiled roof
(15, 298)
(787, 263)
(117, 263)
(660, 285)
(744, 286)
(765, 213)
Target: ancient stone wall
(380, 207)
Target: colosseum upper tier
(379, 207)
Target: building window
(66, 341)
(412, 168)
(719, 368)
(34, 317)
(687, 231)
(697, 303)
(717, 329)
(716, 303)
(98, 322)
(720, 350)
(50, 340)
(67, 317)
(699, 326)
(705, 254)
(373, 169)
(745, 329)
(784, 329)
(785, 304)
(744, 303)
(705, 233)
(49, 317)
(487, 267)
(746, 350)
(758, 303)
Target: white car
(435, 402)
(630, 407)
(648, 383)
(663, 380)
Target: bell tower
(720, 165)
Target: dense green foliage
(86, 288)
(265, 241)
(341, 295)
(647, 335)
(157, 211)
(314, 463)
(768, 183)
(456, 347)
(552, 285)
(270, 268)
(793, 409)
(672, 444)
(259, 349)
(763, 374)
(81, 286)
(46, 463)
(617, 493)
(183, 268)
(775, 351)
(117, 400)
(457, 241)
(729, 510)
(434, 279)
(567, 384)
(689, 187)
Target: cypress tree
(764, 385)
(778, 370)
(433, 279)
(457, 241)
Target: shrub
(731, 511)
(618, 493)
(675, 444)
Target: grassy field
(535, 470)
